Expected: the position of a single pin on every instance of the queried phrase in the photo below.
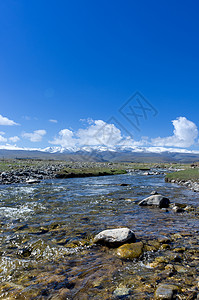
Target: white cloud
(14, 139)
(184, 134)
(5, 121)
(3, 139)
(35, 136)
(65, 138)
(99, 133)
(53, 121)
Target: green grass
(188, 174)
(88, 172)
(148, 166)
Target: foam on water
(26, 190)
(12, 212)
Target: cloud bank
(100, 133)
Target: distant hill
(102, 156)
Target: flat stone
(130, 251)
(155, 200)
(165, 292)
(114, 237)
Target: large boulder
(155, 200)
(115, 237)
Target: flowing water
(46, 228)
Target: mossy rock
(130, 251)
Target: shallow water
(45, 231)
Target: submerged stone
(130, 251)
(165, 292)
(121, 292)
(114, 237)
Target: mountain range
(104, 154)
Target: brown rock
(130, 251)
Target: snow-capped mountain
(104, 153)
(89, 149)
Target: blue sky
(80, 62)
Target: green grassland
(185, 175)
(88, 172)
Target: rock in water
(114, 237)
(155, 200)
(31, 181)
(130, 251)
(165, 291)
(121, 292)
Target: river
(46, 228)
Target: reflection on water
(45, 231)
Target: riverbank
(88, 172)
(35, 170)
(188, 178)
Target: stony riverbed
(47, 231)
